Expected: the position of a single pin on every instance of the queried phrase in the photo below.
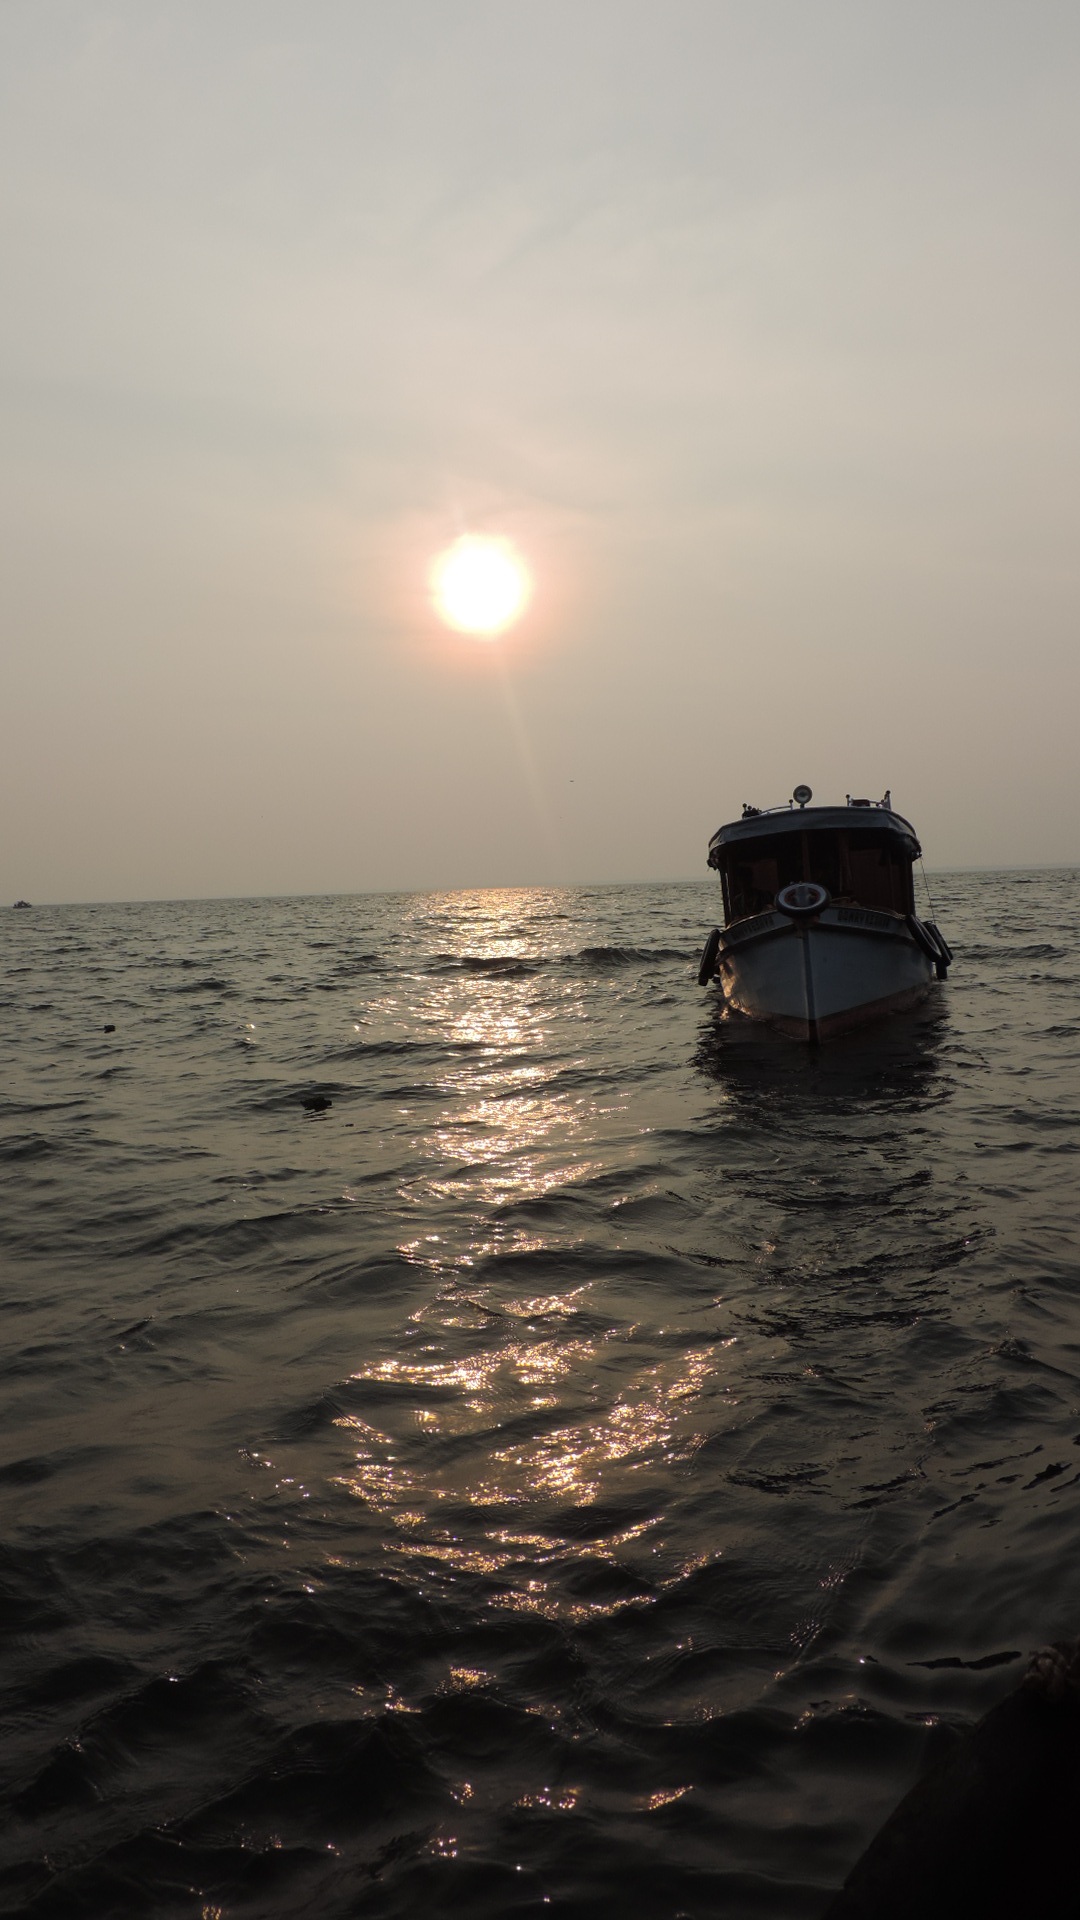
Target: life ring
(707, 968)
(802, 899)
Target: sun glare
(480, 585)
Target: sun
(480, 585)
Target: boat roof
(858, 816)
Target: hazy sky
(755, 326)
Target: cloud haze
(755, 328)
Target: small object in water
(22, 903)
(109, 1029)
(315, 1103)
(991, 1828)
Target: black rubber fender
(929, 940)
(707, 969)
(946, 950)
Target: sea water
(587, 1461)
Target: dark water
(588, 1467)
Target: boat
(820, 931)
(21, 903)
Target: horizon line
(516, 886)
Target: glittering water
(586, 1466)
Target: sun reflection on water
(505, 1408)
(576, 1464)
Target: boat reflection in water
(820, 931)
(897, 1062)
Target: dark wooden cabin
(862, 853)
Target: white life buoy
(802, 899)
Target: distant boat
(820, 931)
(22, 903)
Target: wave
(517, 966)
(1041, 950)
(510, 966)
(630, 956)
(412, 1050)
(28, 1146)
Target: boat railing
(790, 806)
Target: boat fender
(708, 958)
(802, 899)
(930, 941)
(946, 950)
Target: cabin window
(756, 872)
(862, 869)
(881, 876)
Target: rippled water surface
(585, 1467)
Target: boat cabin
(862, 853)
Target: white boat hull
(818, 978)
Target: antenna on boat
(802, 795)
